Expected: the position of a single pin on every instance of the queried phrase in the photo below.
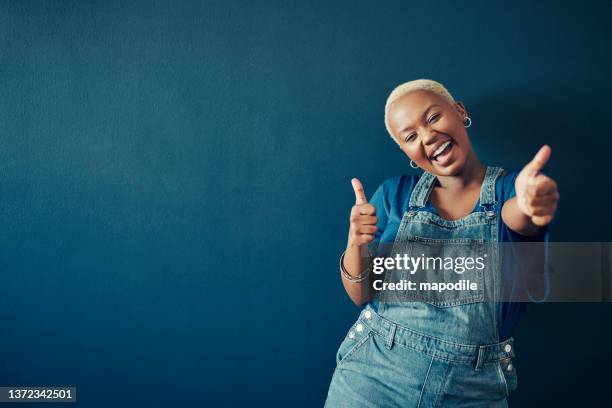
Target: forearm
(354, 264)
(518, 221)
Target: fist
(363, 218)
(536, 193)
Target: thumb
(360, 197)
(539, 160)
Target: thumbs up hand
(536, 193)
(363, 218)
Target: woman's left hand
(536, 193)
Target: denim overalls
(432, 353)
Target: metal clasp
(489, 212)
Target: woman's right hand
(363, 221)
(361, 232)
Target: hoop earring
(469, 122)
(413, 165)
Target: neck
(472, 173)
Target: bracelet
(360, 278)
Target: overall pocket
(442, 272)
(355, 340)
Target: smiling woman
(453, 350)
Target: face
(430, 131)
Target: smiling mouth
(442, 150)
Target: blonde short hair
(412, 86)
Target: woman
(436, 352)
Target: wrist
(365, 272)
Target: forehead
(406, 110)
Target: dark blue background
(175, 183)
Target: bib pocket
(440, 272)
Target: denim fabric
(427, 354)
(381, 364)
(392, 199)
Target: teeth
(440, 149)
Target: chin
(453, 169)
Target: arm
(536, 199)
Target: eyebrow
(424, 114)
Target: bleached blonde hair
(412, 86)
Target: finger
(541, 185)
(539, 160)
(542, 200)
(549, 209)
(367, 219)
(357, 220)
(366, 229)
(363, 214)
(363, 209)
(542, 221)
(360, 197)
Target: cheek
(449, 125)
(415, 152)
(456, 130)
(463, 142)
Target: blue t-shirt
(391, 201)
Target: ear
(460, 107)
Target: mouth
(442, 153)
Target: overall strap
(421, 191)
(487, 191)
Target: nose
(429, 136)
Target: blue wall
(175, 183)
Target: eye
(434, 117)
(410, 137)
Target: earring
(413, 165)
(467, 122)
